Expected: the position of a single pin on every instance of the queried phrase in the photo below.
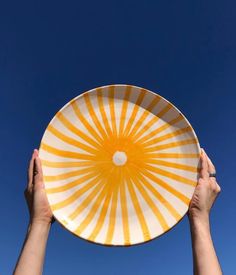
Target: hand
(35, 195)
(205, 193)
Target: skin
(205, 260)
(32, 256)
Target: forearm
(204, 256)
(33, 252)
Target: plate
(120, 165)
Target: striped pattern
(120, 165)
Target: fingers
(218, 188)
(31, 171)
(212, 170)
(211, 167)
(38, 172)
(204, 165)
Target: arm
(204, 256)
(32, 255)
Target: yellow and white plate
(120, 165)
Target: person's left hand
(35, 194)
(206, 191)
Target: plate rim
(155, 94)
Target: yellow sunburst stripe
(84, 204)
(112, 109)
(94, 116)
(103, 212)
(154, 120)
(138, 124)
(70, 140)
(112, 217)
(69, 164)
(151, 122)
(76, 131)
(86, 221)
(72, 184)
(138, 209)
(134, 112)
(173, 165)
(153, 103)
(164, 110)
(170, 145)
(151, 134)
(98, 168)
(124, 109)
(73, 197)
(169, 174)
(166, 136)
(146, 112)
(103, 112)
(170, 155)
(158, 195)
(86, 124)
(65, 154)
(124, 212)
(166, 186)
(149, 201)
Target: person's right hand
(206, 191)
(35, 194)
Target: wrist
(41, 224)
(38, 230)
(200, 222)
(41, 220)
(198, 217)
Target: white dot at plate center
(119, 158)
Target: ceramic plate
(120, 165)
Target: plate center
(119, 158)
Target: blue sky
(51, 51)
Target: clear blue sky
(52, 51)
